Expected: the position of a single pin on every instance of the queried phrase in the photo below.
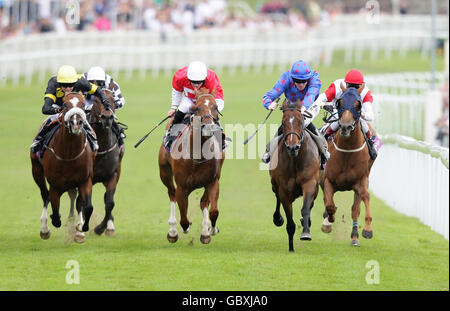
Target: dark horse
(195, 161)
(68, 164)
(107, 164)
(349, 165)
(294, 171)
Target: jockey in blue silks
(301, 82)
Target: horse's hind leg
(365, 196)
(355, 215)
(328, 192)
(72, 195)
(165, 173)
(38, 176)
(108, 221)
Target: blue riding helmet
(301, 71)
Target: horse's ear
(357, 105)
(361, 88)
(299, 103)
(214, 91)
(343, 88)
(111, 86)
(196, 93)
(338, 103)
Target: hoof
(354, 243)
(205, 239)
(45, 236)
(110, 232)
(56, 221)
(86, 227)
(306, 236)
(214, 230)
(172, 239)
(278, 221)
(326, 229)
(367, 234)
(80, 237)
(99, 230)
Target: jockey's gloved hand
(328, 108)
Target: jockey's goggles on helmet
(197, 82)
(356, 86)
(98, 82)
(299, 81)
(67, 84)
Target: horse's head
(293, 122)
(349, 109)
(73, 112)
(206, 110)
(99, 114)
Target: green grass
(249, 253)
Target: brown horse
(349, 165)
(195, 161)
(294, 171)
(107, 164)
(67, 164)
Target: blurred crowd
(22, 17)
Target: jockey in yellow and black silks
(67, 80)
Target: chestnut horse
(107, 164)
(195, 161)
(67, 164)
(294, 171)
(349, 165)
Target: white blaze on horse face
(291, 120)
(172, 221)
(74, 101)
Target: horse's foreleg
(108, 221)
(328, 192)
(45, 230)
(87, 206)
(277, 218)
(309, 194)
(290, 225)
(365, 196)
(182, 200)
(355, 215)
(72, 195)
(209, 227)
(38, 175)
(55, 199)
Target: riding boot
(372, 150)
(92, 138)
(172, 133)
(272, 146)
(321, 143)
(120, 134)
(38, 142)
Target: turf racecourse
(249, 253)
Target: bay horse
(294, 171)
(195, 161)
(349, 165)
(107, 164)
(67, 164)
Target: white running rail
(412, 178)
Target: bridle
(208, 115)
(300, 136)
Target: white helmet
(197, 71)
(96, 73)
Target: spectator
(443, 123)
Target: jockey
(185, 81)
(67, 80)
(303, 83)
(353, 78)
(97, 76)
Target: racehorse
(349, 165)
(67, 164)
(294, 171)
(195, 161)
(107, 164)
